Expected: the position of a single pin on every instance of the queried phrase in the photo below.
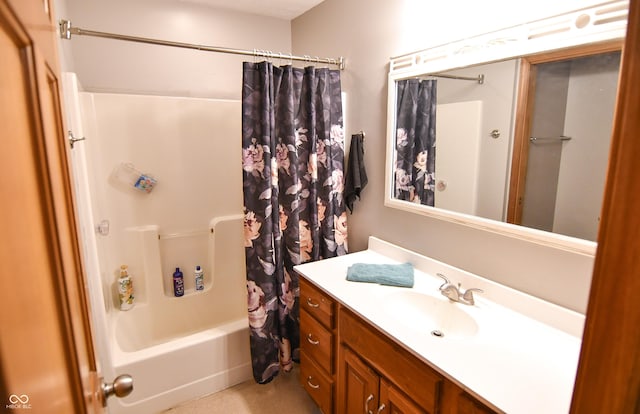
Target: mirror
(521, 135)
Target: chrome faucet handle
(468, 295)
(446, 281)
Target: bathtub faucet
(456, 293)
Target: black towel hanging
(356, 178)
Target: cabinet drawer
(316, 341)
(317, 384)
(408, 373)
(318, 304)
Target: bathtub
(176, 349)
(181, 348)
(184, 368)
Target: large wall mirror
(509, 131)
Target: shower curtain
(415, 161)
(293, 158)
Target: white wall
(105, 65)
(368, 33)
(188, 146)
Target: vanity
(382, 349)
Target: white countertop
(523, 358)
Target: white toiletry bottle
(199, 276)
(125, 289)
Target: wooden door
(524, 124)
(46, 352)
(608, 378)
(392, 401)
(361, 383)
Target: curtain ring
(291, 58)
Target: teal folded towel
(384, 274)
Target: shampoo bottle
(199, 276)
(178, 283)
(125, 289)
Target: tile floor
(283, 395)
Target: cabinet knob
(311, 340)
(312, 304)
(381, 408)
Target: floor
(282, 395)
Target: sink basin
(431, 314)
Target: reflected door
(458, 156)
(562, 146)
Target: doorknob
(121, 386)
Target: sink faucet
(456, 293)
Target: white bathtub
(178, 349)
(183, 368)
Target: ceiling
(283, 9)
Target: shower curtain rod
(66, 30)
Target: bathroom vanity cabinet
(349, 366)
(318, 341)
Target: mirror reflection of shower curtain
(415, 155)
(293, 165)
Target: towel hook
(73, 140)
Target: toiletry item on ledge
(125, 289)
(127, 174)
(199, 277)
(178, 283)
(384, 274)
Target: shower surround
(176, 349)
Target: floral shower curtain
(415, 162)
(293, 158)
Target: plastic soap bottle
(178, 283)
(199, 276)
(125, 289)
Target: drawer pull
(311, 341)
(314, 386)
(381, 408)
(311, 304)
(366, 404)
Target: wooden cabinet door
(46, 349)
(360, 386)
(469, 405)
(392, 401)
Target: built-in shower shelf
(193, 233)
